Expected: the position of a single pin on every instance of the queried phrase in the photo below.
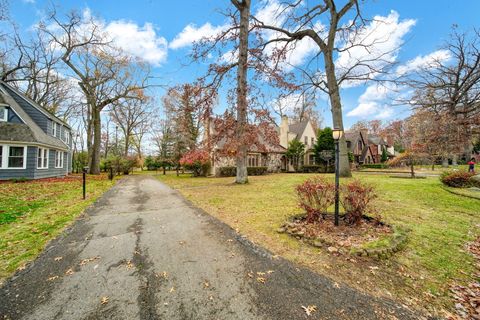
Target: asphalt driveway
(144, 252)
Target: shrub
(251, 171)
(198, 161)
(356, 198)
(256, 171)
(457, 179)
(318, 168)
(375, 166)
(315, 196)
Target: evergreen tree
(295, 152)
(384, 155)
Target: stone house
(367, 148)
(274, 155)
(33, 142)
(302, 131)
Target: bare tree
(334, 27)
(105, 74)
(129, 115)
(453, 85)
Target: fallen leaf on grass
(172, 289)
(250, 274)
(261, 273)
(336, 285)
(230, 240)
(309, 310)
(270, 271)
(22, 267)
(181, 242)
(58, 258)
(69, 272)
(206, 284)
(104, 300)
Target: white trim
(61, 159)
(6, 156)
(54, 129)
(33, 144)
(5, 113)
(43, 157)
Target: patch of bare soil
(467, 298)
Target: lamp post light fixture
(337, 135)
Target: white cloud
(192, 33)
(371, 109)
(373, 47)
(138, 41)
(426, 61)
(141, 42)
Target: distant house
(367, 148)
(268, 155)
(33, 142)
(302, 131)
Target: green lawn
(33, 213)
(434, 257)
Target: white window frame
(45, 156)
(67, 137)
(5, 114)
(6, 156)
(54, 129)
(59, 159)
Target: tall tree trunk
(241, 157)
(336, 104)
(97, 133)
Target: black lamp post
(337, 135)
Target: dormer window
(67, 137)
(54, 129)
(306, 141)
(3, 114)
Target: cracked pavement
(143, 252)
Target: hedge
(318, 168)
(375, 166)
(251, 171)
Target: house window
(253, 160)
(360, 145)
(54, 129)
(306, 141)
(67, 137)
(16, 157)
(349, 144)
(58, 159)
(3, 114)
(42, 158)
(311, 159)
(313, 141)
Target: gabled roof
(17, 94)
(377, 140)
(298, 128)
(28, 131)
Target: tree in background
(384, 157)
(324, 142)
(295, 152)
(451, 87)
(105, 74)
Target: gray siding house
(34, 143)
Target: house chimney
(284, 132)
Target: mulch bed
(467, 298)
(344, 236)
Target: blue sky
(159, 24)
